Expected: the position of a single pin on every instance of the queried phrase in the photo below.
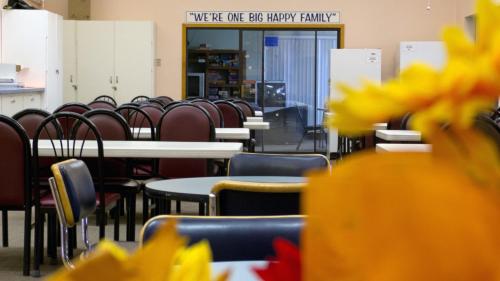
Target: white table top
(255, 119)
(398, 135)
(403, 147)
(202, 186)
(258, 113)
(149, 149)
(239, 270)
(256, 125)
(220, 133)
(380, 126)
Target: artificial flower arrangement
(389, 216)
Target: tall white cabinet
(33, 39)
(113, 58)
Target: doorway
(283, 70)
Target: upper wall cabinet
(33, 39)
(113, 58)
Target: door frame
(263, 27)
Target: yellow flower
(408, 216)
(468, 83)
(163, 258)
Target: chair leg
(300, 142)
(131, 204)
(38, 242)
(178, 206)
(5, 228)
(116, 214)
(145, 208)
(52, 238)
(65, 247)
(27, 241)
(201, 208)
(102, 221)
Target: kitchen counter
(19, 90)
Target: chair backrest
(106, 98)
(170, 104)
(488, 127)
(101, 104)
(405, 121)
(137, 118)
(245, 107)
(74, 107)
(185, 122)
(111, 126)
(234, 198)
(232, 114)
(260, 164)
(69, 142)
(30, 119)
(213, 110)
(157, 102)
(233, 238)
(154, 112)
(15, 168)
(165, 99)
(140, 99)
(136, 104)
(73, 191)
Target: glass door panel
(325, 41)
(252, 49)
(288, 91)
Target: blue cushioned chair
(235, 198)
(233, 238)
(260, 164)
(75, 199)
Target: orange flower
(400, 216)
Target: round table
(198, 189)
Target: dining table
(198, 189)
(399, 135)
(220, 133)
(255, 119)
(403, 147)
(257, 125)
(143, 149)
(238, 270)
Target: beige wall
(57, 6)
(368, 24)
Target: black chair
(15, 181)
(233, 239)
(405, 121)
(165, 99)
(157, 102)
(140, 99)
(316, 129)
(101, 104)
(245, 107)
(117, 172)
(260, 164)
(172, 127)
(173, 103)
(143, 169)
(213, 110)
(232, 114)
(30, 119)
(67, 142)
(235, 198)
(106, 98)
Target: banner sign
(262, 17)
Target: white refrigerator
(429, 52)
(351, 66)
